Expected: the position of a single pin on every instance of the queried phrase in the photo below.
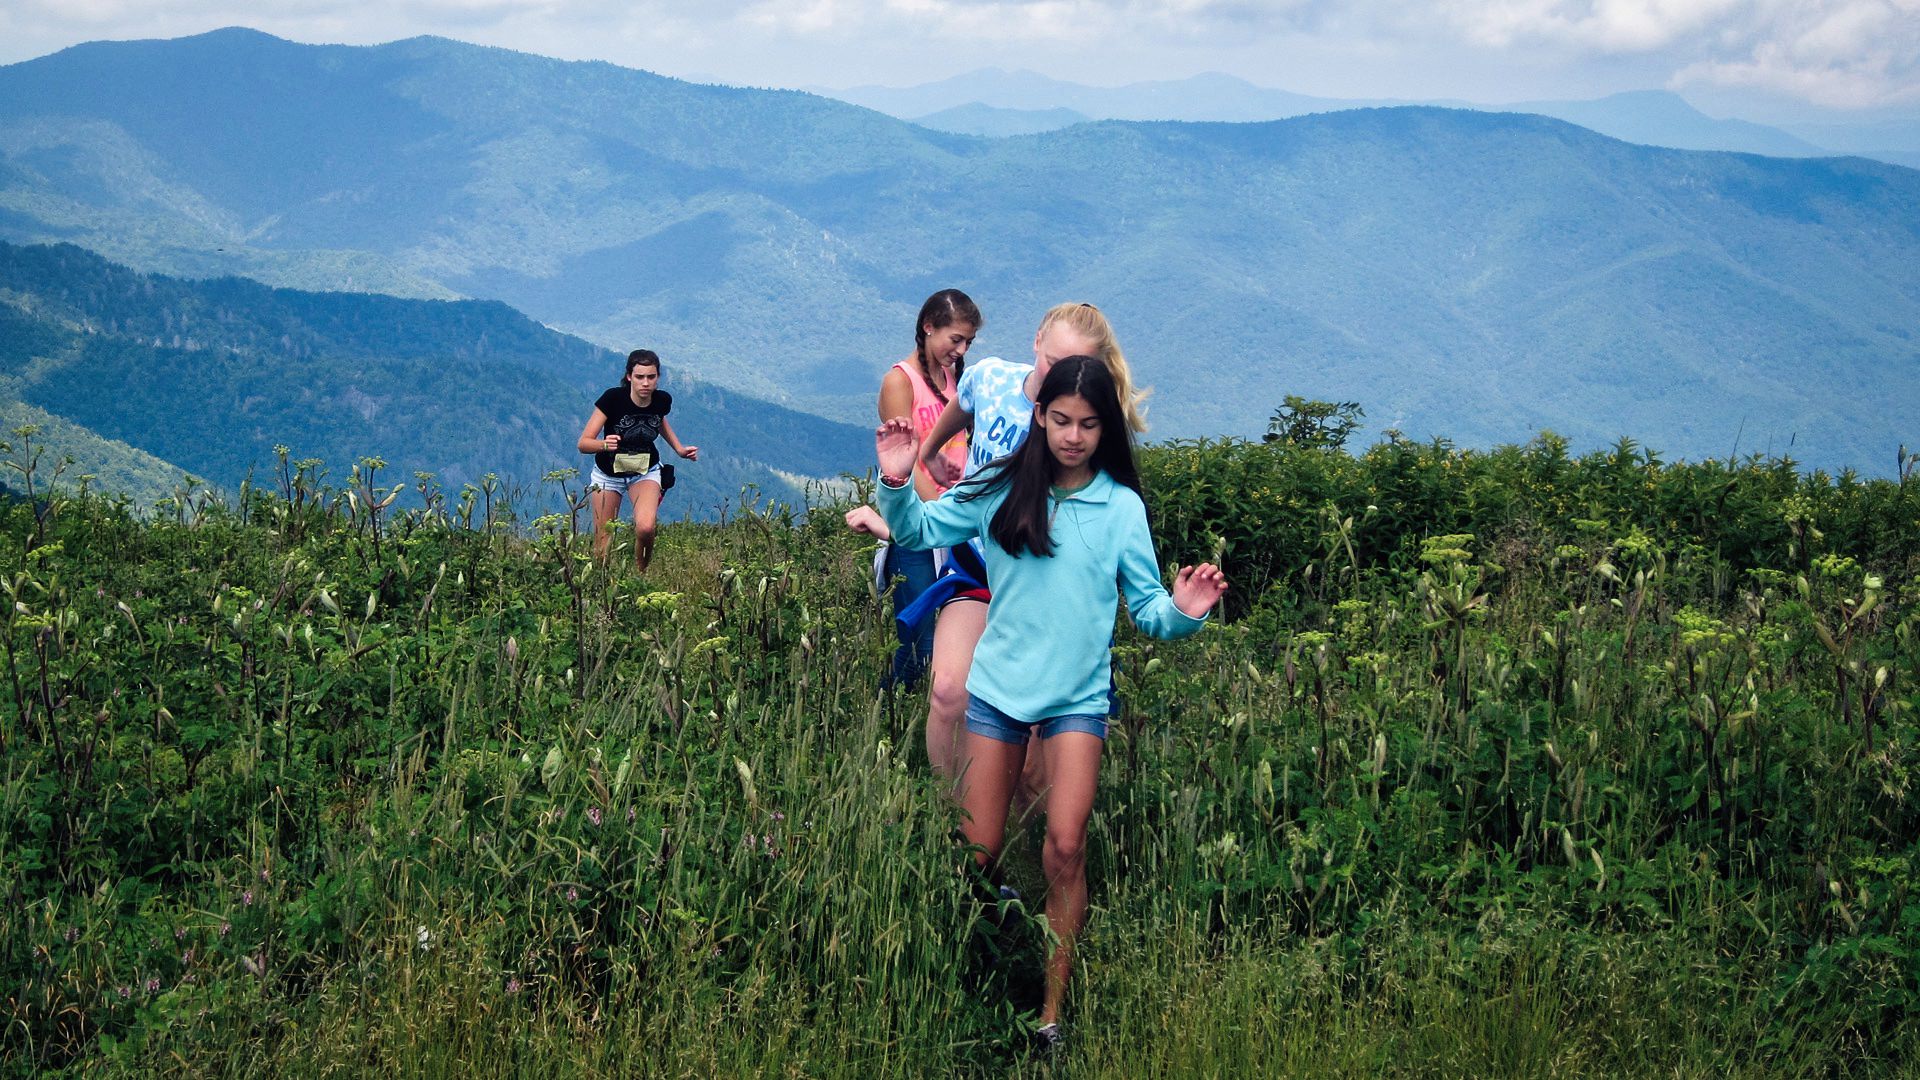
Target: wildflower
(246, 898)
(125, 993)
(187, 957)
(73, 934)
(179, 933)
(629, 814)
(226, 928)
(778, 816)
(513, 985)
(153, 986)
(593, 815)
(424, 938)
(572, 894)
(266, 875)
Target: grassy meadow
(1506, 763)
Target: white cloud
(1835, 52)
(1846, 54)
(1840, 52)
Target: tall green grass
(317, 785)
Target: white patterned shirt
(993, 390)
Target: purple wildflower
(513, 986)
(153, 986)
(593, 815)
(246, 898)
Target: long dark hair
(1023, 522)
(942, 309)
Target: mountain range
(1466, 274)
(995, 102)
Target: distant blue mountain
(1650, 117)
(1660, 118)
(1469, 274)
(978, 119)
(1209, 96)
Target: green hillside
(211, 376)
(1482, 275)
(1496, 764)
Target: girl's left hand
(691, 453)
(865, 519)
(1198, 588)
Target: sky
(1726, 56)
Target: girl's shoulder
(991, 369)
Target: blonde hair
(1091, 324)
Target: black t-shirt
(637, 425)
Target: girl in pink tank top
(927, 405)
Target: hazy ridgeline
(1503, 763)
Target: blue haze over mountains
(1467, 274)
(993, 101)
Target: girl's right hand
(896, 447)
(613, 443)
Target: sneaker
(1048, 1038)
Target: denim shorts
(600, 481)
(985, 720)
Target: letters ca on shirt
(1000, 437)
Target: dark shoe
(1048, 1039)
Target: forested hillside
(211, 376)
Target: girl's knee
(1064, 851)
(947, 697)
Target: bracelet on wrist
(893, 481)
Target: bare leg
(954, 637)
(985, 790)
(606, 507)
(1074, 760)
(1032, 791)
(646, 509)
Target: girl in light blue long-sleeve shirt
(1066, 535)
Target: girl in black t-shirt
(622, 435)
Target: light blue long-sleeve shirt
(1044, 653)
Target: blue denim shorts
(601, 481)
(985, 720)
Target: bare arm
(952, 421)
(691, 453)
(896, 399)
(591, 441)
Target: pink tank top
(926, 410)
